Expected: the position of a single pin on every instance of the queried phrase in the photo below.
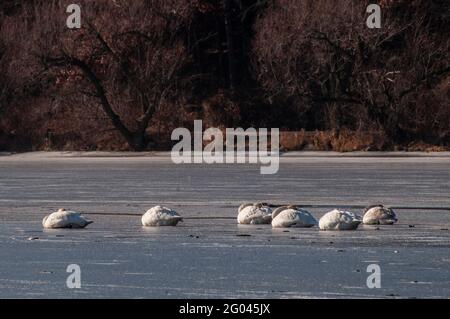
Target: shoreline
(164, 154)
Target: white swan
(291, 216)
(254, 214)
(339, 220)
(161, 216)
(379, 215)
(65, 219)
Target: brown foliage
(334, 72)
(138, 69)
(128, 69)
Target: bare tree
(5, 87)
(126, 75)
(130, 68)
(3, 80)
(335, 72)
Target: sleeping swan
(339, 220)
(379, 215)
(65, 219)
(161, 216)
(254, 214)
(291, 216)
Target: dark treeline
(138, 69)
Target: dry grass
(344, 141)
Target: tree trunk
(138, 141)
(232, 78)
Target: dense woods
(138, 69)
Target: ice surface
(208, 255)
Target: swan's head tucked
(380, 212)
(277, 211)
(62, 210)
(372, 206)
(243, 206)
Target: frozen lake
(209, 256)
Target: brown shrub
(221, 110)
(324, 65)
(125, 71)
(160, 64)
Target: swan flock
(248, 214)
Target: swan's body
(379, 215)
(339, 220)
(254, 214)
(161, 216)
(65, 219)
(291, 216)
